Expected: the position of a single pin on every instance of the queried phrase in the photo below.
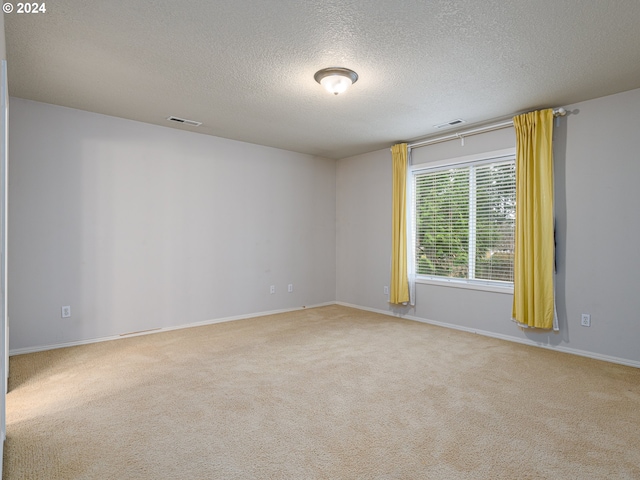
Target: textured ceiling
(245, 67)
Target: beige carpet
(325, 393)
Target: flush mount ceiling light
(336, 79)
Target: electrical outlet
(386, 290)
(585, 320)
(272, 289)
(290, 288)
(66, 311)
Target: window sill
(470, 286)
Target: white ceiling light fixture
(336, 79)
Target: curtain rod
(557, 112)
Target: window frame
(456, 162)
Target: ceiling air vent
(184, 121)
(452, 123)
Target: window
(464, 221)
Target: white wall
(363, 223)
(597, 170)
(3, 302)
(599, 224)
(138, 227)
(3, 44)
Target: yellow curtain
(533, 283)
(399, 288)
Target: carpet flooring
(323, 393)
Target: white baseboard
(573, 351)
(21, 351)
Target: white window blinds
(464, 221)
